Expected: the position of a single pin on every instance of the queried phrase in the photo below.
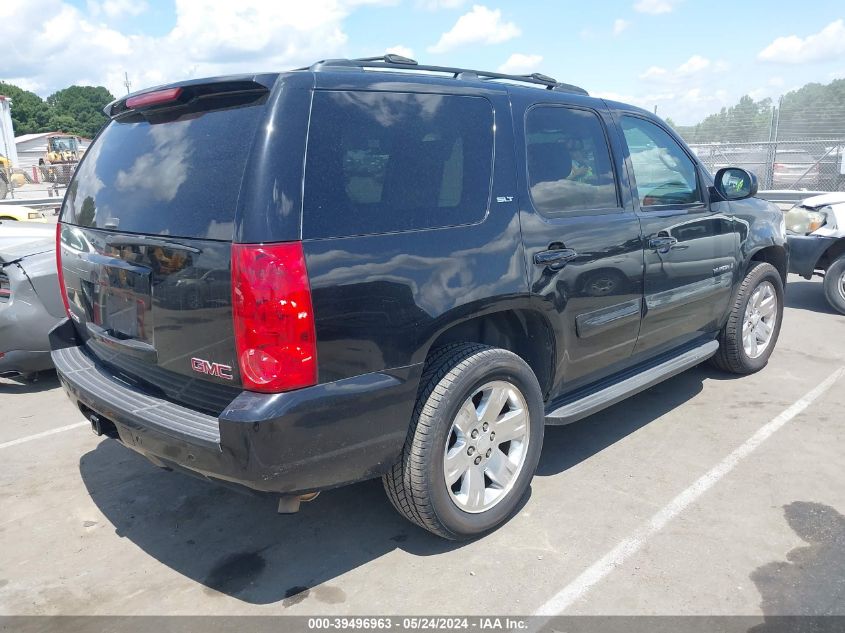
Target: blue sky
(689, 58)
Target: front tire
(834, 284)
(749, 336)
(474, 442)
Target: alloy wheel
(758, 325)
(486, 446)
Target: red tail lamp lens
(274, 318)
(154, 98)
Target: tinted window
(380, 162)
(178, 178)
(569, 165)
(663, 171)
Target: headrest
(548, 162)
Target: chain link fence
(812, 165)
(795, 146)
(40, 187)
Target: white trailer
(7, 134)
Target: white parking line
(38, 436)
(591, 576)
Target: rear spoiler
(245, 87)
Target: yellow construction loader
(5, 176)
(61, 158)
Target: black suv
(290, 282)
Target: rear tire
(749, 336)
(834, 284)
(454, 477)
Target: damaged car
(816, 235)
(30, 303)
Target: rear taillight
(274, 320)
(59, 271)
(159, 97)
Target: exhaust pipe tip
(289, 504)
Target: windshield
(63, 144)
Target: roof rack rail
(391, 60)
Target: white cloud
(686, 105)
(685, 92)
(519, 64)
(404, 51)
(829, 43)
(434, 5)
(654, 72)
(114, 9)
(75, 46)
(480, 26)
(655, 7)
(695, 65)
(620, 25)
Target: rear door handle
(554, 256)
(662, 242)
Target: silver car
(816, 235)
(30, 303)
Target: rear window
(178, 178)
(382, 162)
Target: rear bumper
(805, 251)
(24, 362)
(310, 439)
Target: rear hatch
(146, 231)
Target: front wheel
(473, 444)
(751, 331)
(834, 284)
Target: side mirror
(735, 183)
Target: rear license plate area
(123, 303)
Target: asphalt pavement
(708, 494)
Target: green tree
(79, 109)
(30, 114)
(813, 111)
(75, 110)
(748, 120)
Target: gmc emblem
(217, 370)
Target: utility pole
(126, 82)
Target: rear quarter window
(383, 162)
(180, 178)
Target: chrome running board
(598, 400)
